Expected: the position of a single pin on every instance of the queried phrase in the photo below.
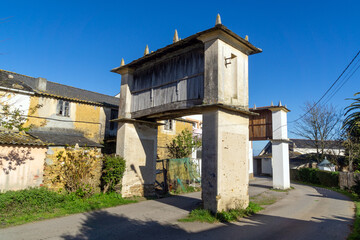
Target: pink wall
(21, 167)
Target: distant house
(300, 153)
(67, 115)
(170, 129)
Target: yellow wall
(165, 136)
(78, 112)
(34, 111)
(88, 113)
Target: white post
(251, 160)
(280, 149)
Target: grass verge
(202, 215)
(355, 234)
(19, 207)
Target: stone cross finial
(146, 50)
(122, 62)
(176, 37)
(218, 20)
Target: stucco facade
(165, 136)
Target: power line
(328, 88)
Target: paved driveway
(302, 213)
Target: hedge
(315, 176)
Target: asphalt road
(303, 213)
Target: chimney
(40, 84)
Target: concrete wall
(225, 169)
(266, 166)
(21, 167)
(136, 143)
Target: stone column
(136, 143)
(225, 170)
(280, 149)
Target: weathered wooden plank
(177, 79)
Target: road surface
(303, 213)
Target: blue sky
(306, 44)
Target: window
(63, 108)
(113, 115)
(168, 125)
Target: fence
(177, 174)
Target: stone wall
(347, 179)
(52, 168)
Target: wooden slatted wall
(260, 127)
(176, 79)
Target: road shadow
(184, 202)
(104, 225)
(325, 193)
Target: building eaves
(57, 90)
(193, 39)
(10, 137)
(63, 137)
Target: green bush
(309, 175)
(112, 173)
(315, 176)
(328, 179)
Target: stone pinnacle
(146, 50)
(218, 20)
(176, 37)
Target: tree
(351, 126)
(183, 145)
(319, 124)
(12, 117)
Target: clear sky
(306, 44)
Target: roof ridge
(82, 89)
(57, 83)
(2, 70)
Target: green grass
(202, 215)
(19, 207)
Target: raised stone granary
(206, 73)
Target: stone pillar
(280, 149)
(251, 160)
(225, 170)
(136, 143)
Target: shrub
(183, 145)
(328, 179)
(315, 176)
(29, 200)
(77, 170)
(309, 175)
(112, 173)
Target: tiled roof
(306, 143)
(63, 137)
(57, 90)
(19, 138)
